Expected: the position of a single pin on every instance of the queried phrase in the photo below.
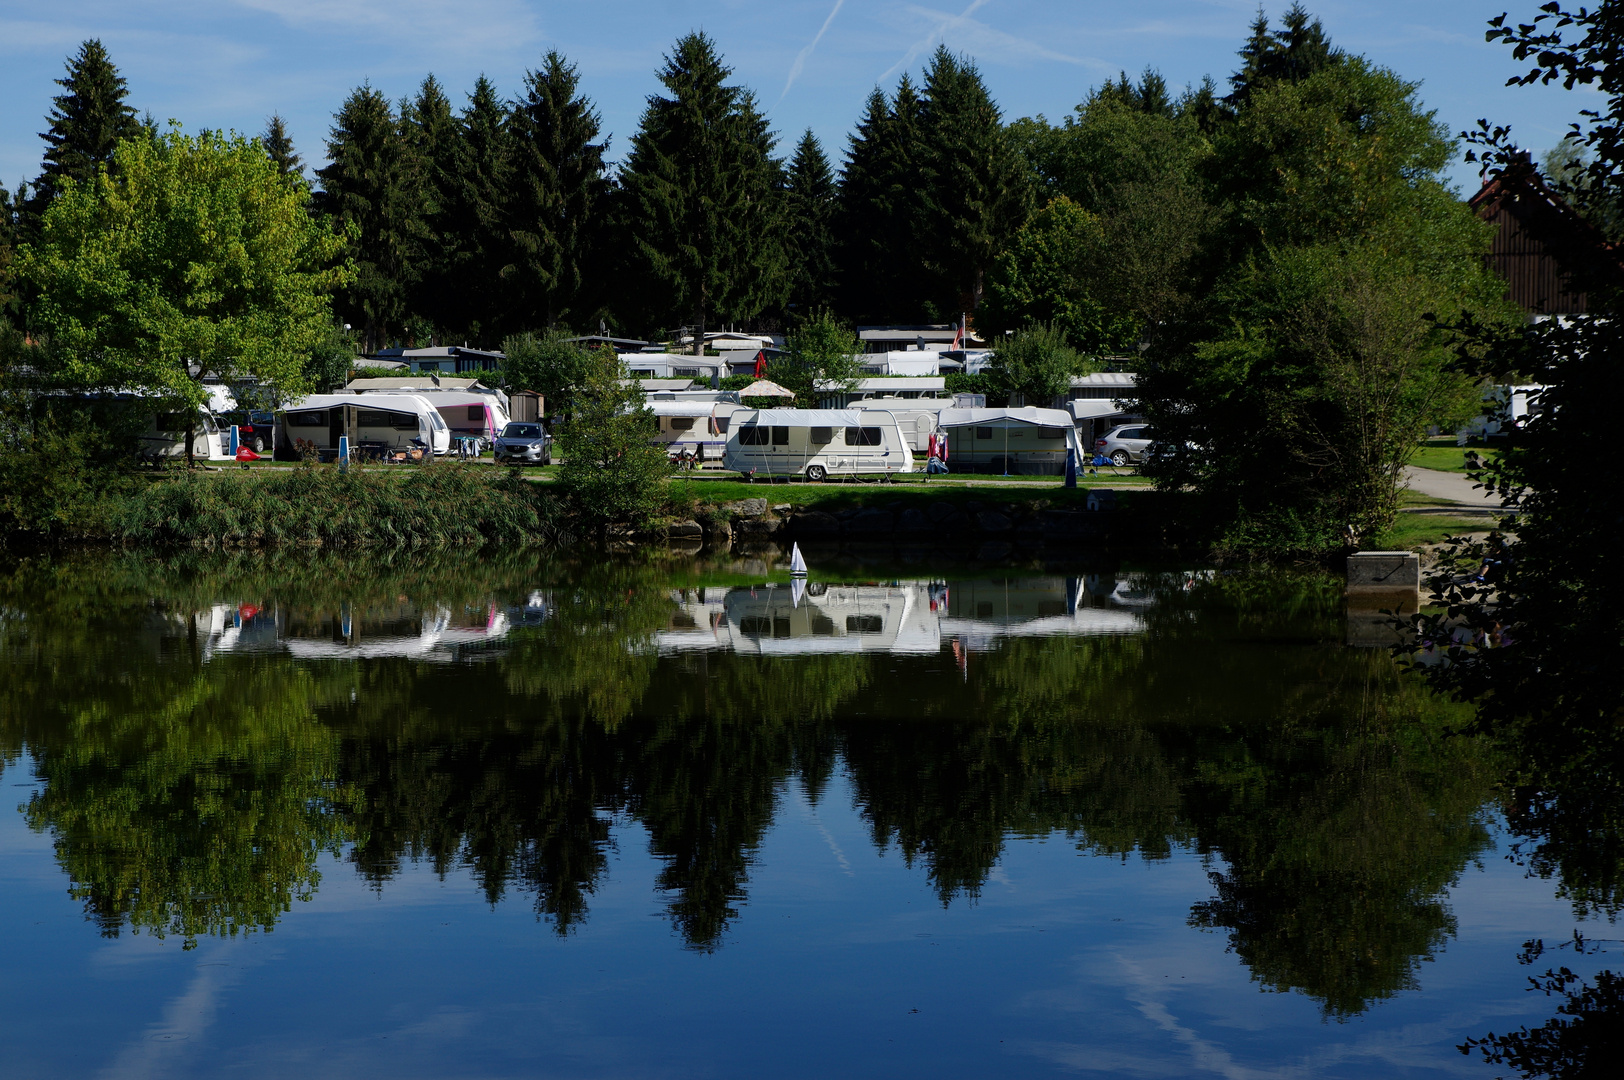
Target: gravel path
(1448, 487)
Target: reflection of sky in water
(843, 962)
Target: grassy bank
(442, 504)
(698, 494)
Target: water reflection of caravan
(1030, 607)
(836, 619)
(348, 633)
(903, 617)
(817, 443)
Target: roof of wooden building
(1542, 247)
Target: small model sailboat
(797, 564)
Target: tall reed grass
(441, 504)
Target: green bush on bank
(437, 504)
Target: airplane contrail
(923, 43)
(800, 57)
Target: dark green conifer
(369, 185)
(810, 210)
(881, 213)
(86, 123)
(700, 212)
(1291, 54)
(476, 222)
(558, 191)
(433, 146)
(976, 187)
(279, 145)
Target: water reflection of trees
(195, 798)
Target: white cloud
(466, 28)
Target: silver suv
(1126, 443)
(522, 443)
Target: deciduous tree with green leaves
(194, 257)
(612, 470)
(821, 357)
(547, 364)
(1036, 364)
(1052, 274)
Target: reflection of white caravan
(840, 619)
(388, 421)
(816, 443)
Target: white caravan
(817, 443)
(165, 437)
(693, 424)
(386, 421)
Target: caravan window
(376, 418)
(307, 419)
(983, 432)
(751, 435)
(780, 436)
(823, 434)
(1050, 433)
(863, 436)
(865, 624)
(476, 412)
(682, 423)
(721, 424)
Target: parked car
(523, 443)
(1126, 443)
(256, 429)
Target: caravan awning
(806, 418)
(1094, 408)
(992, 417)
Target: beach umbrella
(765, 388)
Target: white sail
(797, 564)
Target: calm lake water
(448, 816)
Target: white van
(816, 443)
(386, 422)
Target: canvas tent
(1028, 441)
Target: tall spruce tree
(1296, 51)
(369, 188)
(433, 143)
(87, 121)
(558, 190)
(700, 196)
(810, 210)
(881, 274)
(977, 189)
(476, 217)
(279, 145)
(10, 227)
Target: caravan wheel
(816, 473)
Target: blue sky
(231, 63)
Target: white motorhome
(386, 422)
(816, 443)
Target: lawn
(1411, 531)
(842, 496)
(1445, 456)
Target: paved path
(1448, 487)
